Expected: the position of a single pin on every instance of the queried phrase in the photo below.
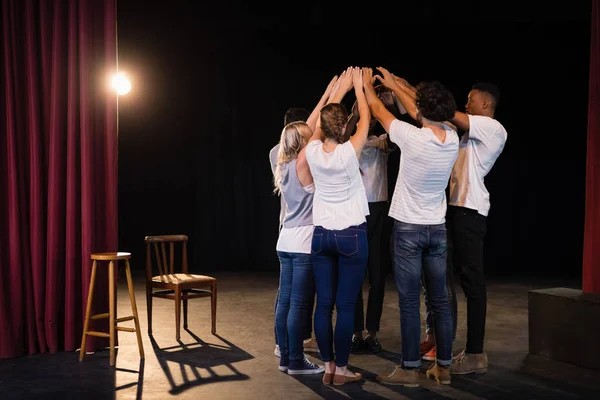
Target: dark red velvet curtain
(591, 246)
(58, 169)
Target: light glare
(121, 84)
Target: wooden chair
(176, 286)
(112, 259)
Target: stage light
(121, 84)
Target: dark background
(211, 83)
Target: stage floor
(238, 363)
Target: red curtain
(58, 161)
(591, 241)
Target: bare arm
(461, 120)
(376, 106)
(312, 119)
(303, 170)
(343, 86)
(362, 127)
(403, 92)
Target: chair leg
(136, 319)
(177, 312)
(213, 307)
(88, 311)
(149, 307)
(185, 310)
(111, 311)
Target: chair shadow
(140, 380)
(199, 356)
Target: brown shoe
(327, 378)
(440, 374)
(343, 379)
(466, 363)
(405, 377)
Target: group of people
(330, 169)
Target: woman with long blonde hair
(293, 181)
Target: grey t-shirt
(273, 155)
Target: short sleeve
(481, 127)
(400, 130)
(273, 155)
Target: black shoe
(372, 344)
(358, 345)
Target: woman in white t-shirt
(339, 244)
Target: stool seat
(119, 255)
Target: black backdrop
(211, 85)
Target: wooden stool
(111, 258)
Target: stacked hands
(361, 78)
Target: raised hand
(368, 76)
(357, 78)
(346, 80)
(330, 87)
(386, 78)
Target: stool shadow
(198, 357)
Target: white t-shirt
(340, 200)
(479, 150)
(273, 157)
(425, 166)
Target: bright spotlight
(121, 84)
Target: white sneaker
(277, 352)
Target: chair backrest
(165, 260)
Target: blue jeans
(421, 250)
(296, 283)
(339, 261)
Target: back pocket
(347, 244)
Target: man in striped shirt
(419, 210)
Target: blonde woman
(294, 182)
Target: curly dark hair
(334, 118)
(435, 102)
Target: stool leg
(88, 311)
(177, 311)
(111, 311)
(185, 310)
(213, 307)
(134, 309)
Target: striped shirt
(425, 166)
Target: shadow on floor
(201, 355)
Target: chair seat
(177, 279)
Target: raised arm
(314, 116)
(343, 86)
(403, 93)
(362, 127)
(461, 120)
(376, 106)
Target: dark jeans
(379, 231)
(309, 316)
(451, 293)
(467, 229)
(417, 248)
(296, 283)
(339, 262)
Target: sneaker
(358, 345)
(404, 377)
(426, 346)
(277, 352)
(311, 345)
(466, 363)
(284, 364)
(430, 355)
(372, 344)
(439, 373)
(304, 367)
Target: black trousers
(379, 232)
(468, 228)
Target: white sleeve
(482, 128)
(273, 155)
(400, 130)
(311, 148)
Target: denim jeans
(417, 249)
(296, 283)
(339, 260)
